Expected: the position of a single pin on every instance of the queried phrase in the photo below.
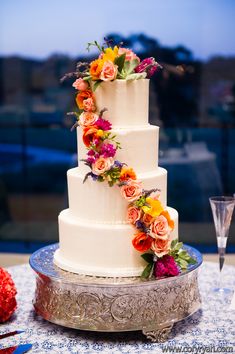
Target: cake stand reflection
(114, 304)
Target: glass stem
(221, 264)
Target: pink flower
(148, 65)
(133, 214)
(102, 165)
(108, 150)
(89, 105)
(159, 228)
(161, 247)
(132, 190)
(80, 84)
(109, 71)
(166, 266)
(87, 119)
(103, 124)
(130, 55)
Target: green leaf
(96, 84)
(140, 202)
(136, 76)
(183, 254)
(86, 78)
(178, 246)
(174, 243)
(182, 263)
(147, 271)
(192, 261)
(119, 61)
(129, 66)
(148, 257)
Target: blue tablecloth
(211, 327)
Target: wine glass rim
(222, 198)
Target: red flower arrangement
(7, 296)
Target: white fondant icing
(127, 101)
(101, 250)
(139, 147)
(93, 201)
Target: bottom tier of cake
(100, 249)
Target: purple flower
(103, 124)
(94, 177)
(118, 163)
(108, 150)
(166, 266)
(148, 65)
(141, 226)
(90, 160)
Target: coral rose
(132, 190)
(142, 242)
(87, 119)
(160, 247)
(147, 219)
(130, 55)
(81, 96)
(89, 105)
(159, 228)
(102, 165)
(127, 173)
(80, 84)
(133, 214)
(89, 135)
(109, 71)
(96, 68)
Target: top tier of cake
(127, 102)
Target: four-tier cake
(118, 220)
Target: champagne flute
(222, 211)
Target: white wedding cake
(94, 236)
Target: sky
(39, 28)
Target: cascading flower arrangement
(152, 223)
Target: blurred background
(41, 41)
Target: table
(211, 327)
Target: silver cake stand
(114, 304)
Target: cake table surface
(213, 326)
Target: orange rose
(171, 223)
(87, 119)
(127, 173)
(89, 105)
(89, 134)
(160, 247)
(81, 96)
(147, 219)
(142, 242)
(96, 67)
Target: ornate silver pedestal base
(114, 304)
